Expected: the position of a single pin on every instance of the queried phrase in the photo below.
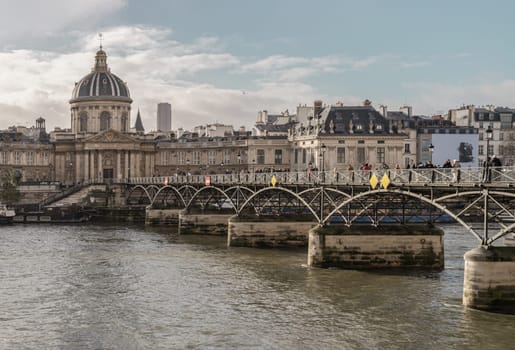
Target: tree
(9, 193)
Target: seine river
(131, 287)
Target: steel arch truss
(209, 199)
(168, 197)
(275, 202)
(139, 195)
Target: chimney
(317, 108)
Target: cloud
(297, 68)
(204, 81)
(34, 18)
(157, 68)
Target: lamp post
(323, 148)
(187, 166)
(486, 165)
(239, 165)
(431, 149)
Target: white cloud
(158, 68)
(36, 18)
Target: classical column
(86, 165)
(100, 165)
(78, 166)
(92, 174)
(119, 171)
(126, 170)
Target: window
(182, 157)
(480, 116)
(164, 159)
(260, 156)
(304, 156)
(481, 125)
(380, 155)
(501, 149)
(296, 156)
(406, 148)
(227, 157)
(5, 157)
(340, 155)
(278, 156)
(123, 122)
(30, 158)
(17, 157)
(105, 121)
(480, 150)
(211, 157)
(501, 136)
(490, 150)
(360, 153)
(480, 136)
(83, 122)
(491, 116)
(196, 157)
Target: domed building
(100, 143)
(100, 100)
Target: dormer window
(379, 127)
(359, 127)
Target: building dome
(100, 83)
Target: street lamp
(239, 165)
(431, 149)
(489, 136)
(323, 148)
(187, 166)
(486, 164)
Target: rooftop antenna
(100, 40)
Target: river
(131, 287)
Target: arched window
(83, 122)
(105, 121)
(124, 122)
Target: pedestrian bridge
(481, 200)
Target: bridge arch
(210, 188)
(170, 189)
(409, 194)
(141, 188)
(278, 190)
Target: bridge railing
(436, 176)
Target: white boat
(6, 214)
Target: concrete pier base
(162, 216)
(489, 279)
(368, 247)
(268, 233)
(205, 224)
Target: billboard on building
(461, 147)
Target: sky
(225, 60)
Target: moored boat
(6, 214)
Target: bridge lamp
(489, 136)
(323, 148)
(431, 149)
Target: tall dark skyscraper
(164, 116)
